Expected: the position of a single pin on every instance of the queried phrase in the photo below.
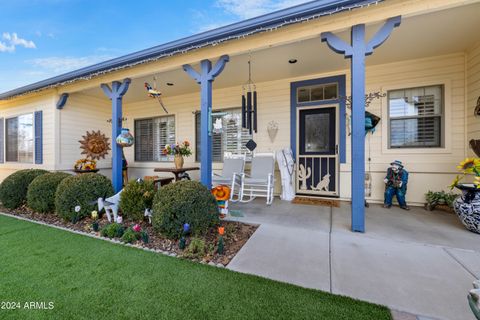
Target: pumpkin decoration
(95, 145)
(221, 193)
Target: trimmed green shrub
(13, 190)
(41, 192)
(82, 190)
(130, 236)
(135, 198)
(196, 249)
(113, 230)
(184, 202)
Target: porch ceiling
(433, 34)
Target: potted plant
(179, 151)
(467, 206)
(439, 200)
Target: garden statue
(111, 207)
(396, 184)
(222, 194)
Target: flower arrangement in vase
(467, 206)
(85, 165)
(178, 150)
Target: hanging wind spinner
(154, 93)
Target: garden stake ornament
(154, 93)
(220, 244)
(182, 242)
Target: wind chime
(153, 92)
(249, 103)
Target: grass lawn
(87, 278)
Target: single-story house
(304, 66)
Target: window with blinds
(416, 117)
(151, 136)
(231, 139)
(19, 139)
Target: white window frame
(169, 158)
(5, 138)
(446, 123)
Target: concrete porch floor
(419, 262)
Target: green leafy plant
(130, 236)
(135, 198)
(41, 192)
(80, 193)
(13, 190)
(195, 249)
(184, 202)
(113, 230)
(435, 198)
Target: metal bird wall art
(156, 94)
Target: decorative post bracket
(116, 94)
(205, 79)
(356, 51)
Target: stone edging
(114, 241)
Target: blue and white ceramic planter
(467, 207)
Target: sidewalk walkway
(418, 262)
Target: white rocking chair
(232, 174)
(261, 180)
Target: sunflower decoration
(468, 167)
(95, 145)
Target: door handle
(336, 149)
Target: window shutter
(232, 139)
(2, 142)
(38, 137)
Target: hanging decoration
(371, 120)
(272, 130)
(95, 145)
(249, 102)
(153, 92)
(125, 138)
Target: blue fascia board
(246, 27)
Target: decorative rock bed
(236, 235)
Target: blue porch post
(205, 79)
(357, 52)
(116, 94)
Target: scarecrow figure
(396, 184)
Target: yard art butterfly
(154, 93)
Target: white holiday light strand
(203, 45)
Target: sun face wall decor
(94, 145)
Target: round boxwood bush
(184, 202)
(81, 191)
(13, 190)
(41, 192)
(135, 198)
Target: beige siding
(431, 169)
(473, 92)
(81, 114)
(46, 104)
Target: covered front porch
(419, 262)
(413, 56)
